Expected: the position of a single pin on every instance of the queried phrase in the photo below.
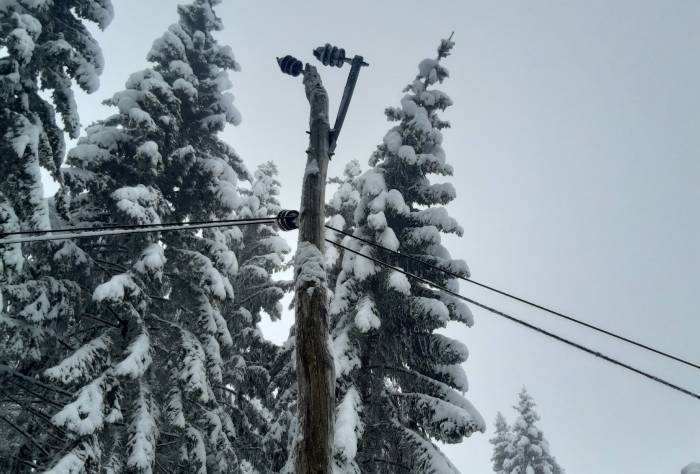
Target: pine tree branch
(8, 370)
(26, 435)
(28, 463)
(38, 395)
(386, 461)
(91, 316)
(41, 415)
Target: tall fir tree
(158, 361)
(501, 442)
(45, 48)
(528, 450)
(261, 253)
(399, 380)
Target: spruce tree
(158, 360)
(46, 48)
(261, 252)
(692, 468)
(528, 450)
(399, 380)
(501, 442)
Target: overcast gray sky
(576, 147)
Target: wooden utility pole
(315, 368)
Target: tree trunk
(315, 369)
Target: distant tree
(692, 468)
(501, 442)
(528, 450)
(45, 47)
(398, 379)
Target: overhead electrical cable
(286, 220)
(522, 300)
(524, 323)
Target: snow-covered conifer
(500, 441)
(528, 450)
(400, 382)
(45, 48)
(692, 468)
(161, 297)
(340, 210)
(261, 252)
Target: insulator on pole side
(290, 65)
(288, 220)
(330, 55)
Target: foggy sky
(575, 145)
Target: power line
(523, 323)
(133, 230)
(128, 226)
(285, 220)
(522, 300)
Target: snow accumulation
(399, 282)
(388, 239)
(393, 140)
(426, 66)
(115, 289)
(83, 416)
(71, 463)
(364, 267)
(344, 358)
(152, 261)
(455, 373)
(409, 106)
(377, 220)
(193, 370)
(142, 118)
(138, 202)
(372, 183)
(421, 121)
(138, 359)
(431, 307)
(408, 154)
(366, 316)
(21, 44)
(81, 362)
(348, 426)
(143, 436)
(309, 262)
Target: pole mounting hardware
(287, 220)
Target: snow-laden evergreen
(340, 210)
(45, 51)
(261, 252)
(692, 468)
(527, 452)
(400, 381)
(153, 374)
(501, 441)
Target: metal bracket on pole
(355, 65)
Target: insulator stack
(330, 55)
(290, 65)
(288, 220)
